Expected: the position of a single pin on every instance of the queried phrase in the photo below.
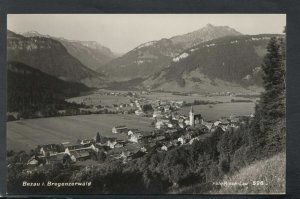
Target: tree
(147, 108)
(98, 137)
(270, 112)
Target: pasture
(216, 111)
(191, 98)
(99, 99)
(27, 134)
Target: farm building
(120, 129)
(51, 149)
(12, 116)
(135, 137)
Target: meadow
(216, 111)
(27, 134)
(97, 98)
(192, 97)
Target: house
(74, 147)
(111, 142)
(32, 161)
(156, 113)
(170, 125)
(166, 108)
(182, 125)
(10, 116)
(81, 155)
(198, 120)
(159, 124)
(167, 146)
(125, 154)
(51, 149)
(143, 149)
(133, 131)
(120, 129)
(164, 148)
(135, 137)
(184, 138)
(171, 131)
(193, 139)
(208, 125)
(55, 158)
(119, 145)
(88, 110)
(87, 141)
(160, 138)
(139, 112)
(62, 112)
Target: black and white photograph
(146, 104)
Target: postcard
(146, 104)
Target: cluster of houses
(169, 132)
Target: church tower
(192, 119)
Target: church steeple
(192, 110)
(192, 119)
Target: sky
(123, 32)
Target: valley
(173, 112)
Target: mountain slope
(145, 59)
(232, 60)
(30, 90)
(90, 53)
(207, 33)
(154, 56)
(51, 57)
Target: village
(171, 129)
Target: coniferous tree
(98, 137)
(269, 121)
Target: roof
(120, 127)
(135, 130)
(80, 154)
(192, 110)
(75, 147)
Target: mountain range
(233, 62)
(211, 59)
(90, 53)
(151, 57)
(51, 57)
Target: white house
(164, 148)
(119, 129)
(181, 140)
(139, 112)
(111, 143)
(135, 137)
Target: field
(216, 111)
(191, 98)
(97, 98)
(27, 134)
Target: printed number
(258, 183)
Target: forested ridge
(31, 91)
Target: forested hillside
(153, 56)
(30, 91)
(233, 59)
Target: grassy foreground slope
(270, 171)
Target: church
(195, 119)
